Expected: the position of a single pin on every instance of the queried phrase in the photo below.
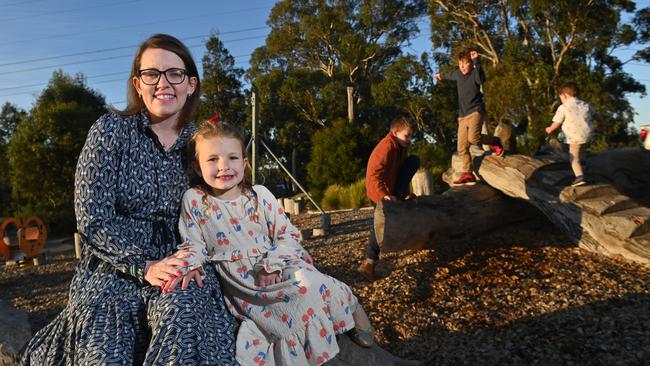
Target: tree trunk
(610, 216)
(456, 215)
(422, 183)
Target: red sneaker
(466, 179)
(497, 150)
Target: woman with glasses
(128, 185)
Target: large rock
(611, 216)
(15, 332)
(353, 355)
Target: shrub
(338, 197)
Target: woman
(128, 186)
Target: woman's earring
(140, 96)
(189, 95)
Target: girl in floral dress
(290, 312)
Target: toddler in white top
(575, 116)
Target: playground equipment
(24, 241)
(325, 219)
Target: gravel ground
(522, 295)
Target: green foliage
(431, 155)
(314, 52)
(338, 197)
(332, 198)
(435, 158)
(221, 88)
(44, 149)
(337, 156)
(10, 117)
(530, 47)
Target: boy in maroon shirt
(388, 176)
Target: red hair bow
(214, 119)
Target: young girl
(290, 311)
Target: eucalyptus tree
(222, 90)
(533, 46)
(44, 148)
(315, 51)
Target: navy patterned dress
(127, 201)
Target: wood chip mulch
(522, 295)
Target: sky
(99, 38)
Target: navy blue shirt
(470, 98)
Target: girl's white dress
(290, 323)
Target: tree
(44, 149)
(408, 89)
(10, 118)
(314, 52)
(533, 46)
(221, 87)
(338, 152)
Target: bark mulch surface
(522, 295)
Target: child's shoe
(466, 179)
(363, 337)
(579, 181)
(367, 269)
(497, 150)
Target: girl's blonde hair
(210, 129)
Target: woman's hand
(195, 274)
(161, 271)
(265, 279)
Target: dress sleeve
(193, 248)
(114, 238)
(285, 238)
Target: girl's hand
(265, 279)
(194, 274)
(473, 54)
(161, 271)
(548, 130)
(307, 258)
(438, 77)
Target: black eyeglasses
(152, 76)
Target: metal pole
(291, 176)
(254, 136)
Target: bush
(338, 197)
(332, 198)
(337, 156)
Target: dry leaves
(520, 296)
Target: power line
(115, 48)
(21, 3)
(112, 57)
(97, 82)
(140, 24)
(95, 76)
(68, 11)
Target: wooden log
(422, 183)
(610, 216)
(456, 215)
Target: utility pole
(350, 104)
(254, 136)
